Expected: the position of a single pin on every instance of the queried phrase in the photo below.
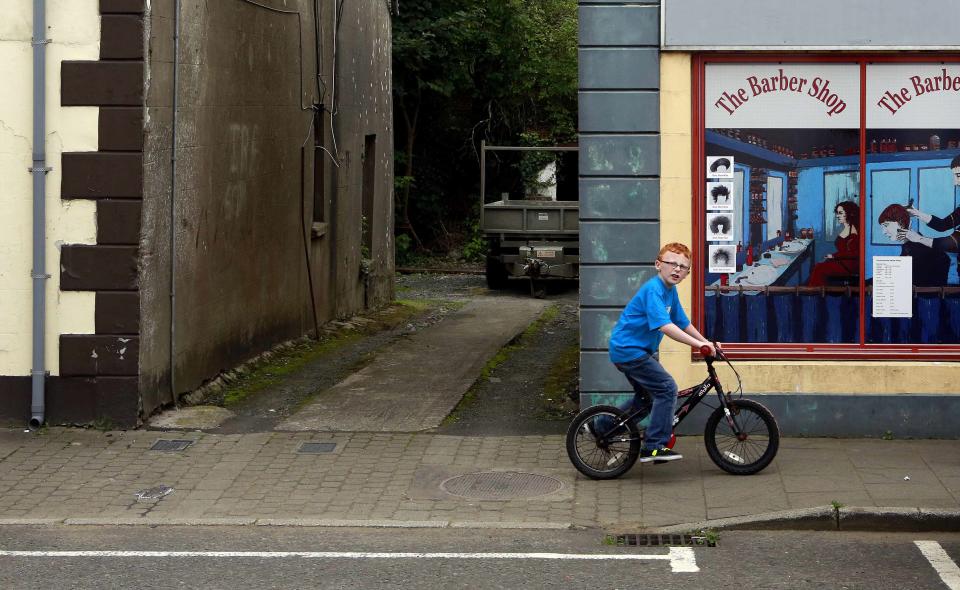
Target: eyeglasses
(676, 265)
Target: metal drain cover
(500, 485)
(315, 448)
(171, 446)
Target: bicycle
(741, 435)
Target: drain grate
(495, 485)
(171, 446)
(316, 448)
(649, 540)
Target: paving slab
(413, 385)
(83, 477)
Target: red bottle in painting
(749, 255)
(724, 279)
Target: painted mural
(794, 251)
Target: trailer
(532, 238)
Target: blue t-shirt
(637, 333)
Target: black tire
(606, 460)
(496, 274)
(755, 451)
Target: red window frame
(799, 351)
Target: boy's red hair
(676, 248)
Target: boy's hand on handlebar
(707, 349)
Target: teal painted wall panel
(619, 67)
(631, 112)
(619, 198)
(611, 286)
(619, 155)
(619, 242)
(620, 25)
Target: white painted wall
(74, 27)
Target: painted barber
(949, 243)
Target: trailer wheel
(496, 273)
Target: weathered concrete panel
(630, 112)
(611, 286)
(597, 373)
(619, 198)
(620, 67)
(620, 25)
(616, 155)
(595, 327)
(619, 242)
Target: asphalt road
(368, 558)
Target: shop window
(844, 225)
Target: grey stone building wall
(619, 174)
(247, 210)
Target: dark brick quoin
(101, 83)
(95, 355)
(120, 129)
(92, 175)
(122, 6)
(73, 400)
(98, 268)
(118, 222)
(117, 312)
(121, 37)
(15, 393)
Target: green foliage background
(504, 71)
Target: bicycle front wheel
(750, 451)
(600, 449)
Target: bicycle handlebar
(705, 352)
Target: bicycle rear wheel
(600, 449)
(757, 444)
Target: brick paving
(395, 479)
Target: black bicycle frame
(693, 395)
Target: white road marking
(938, 558)
(681, 559)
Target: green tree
(466, 70)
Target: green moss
(561, 382)
(271, 372)
(548, 315)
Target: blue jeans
(650, 380)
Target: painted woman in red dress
(845, 262)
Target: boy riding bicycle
(655, 310)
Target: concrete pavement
(419, 479)
(417, 382)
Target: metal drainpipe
(39, 170)
(173, 202)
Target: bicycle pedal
(733, 457)
(614, 459)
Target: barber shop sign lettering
(894, 99)
(817, 88)
(778, 96)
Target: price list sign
(892, 286)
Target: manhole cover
(494, 485)
(315, 448)
(171, 446)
